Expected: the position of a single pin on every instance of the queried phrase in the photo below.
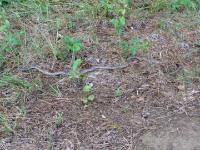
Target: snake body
(82, 72)
(66, 73)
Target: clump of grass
(11, 41)
(174, 5)
(111, 8)
(12, 80)
(17, 88)
(8, 125)
(58, 119)
(164, 25)
(185, 4)
(71, 46)
(119, 24)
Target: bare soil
(182, 134)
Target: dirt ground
(159, 108)
(183, 134)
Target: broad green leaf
(87, 88)
(91, 98)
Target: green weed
(72, 46)
(118, 92)
(87, 88)
(119, 24)
(89, 97)
(107, 7)
(10, 42)
(58, 119)
(110, 8)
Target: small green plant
(132, 46)
(109, 8)
(72, 45)
(163, 25)
(106, 7)
(118, 92)
(87, 88)
(119, 24)
(89, 97)
(74, 72)
(58, 119)
(120, 10)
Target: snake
(81, 72)
(66, 73)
